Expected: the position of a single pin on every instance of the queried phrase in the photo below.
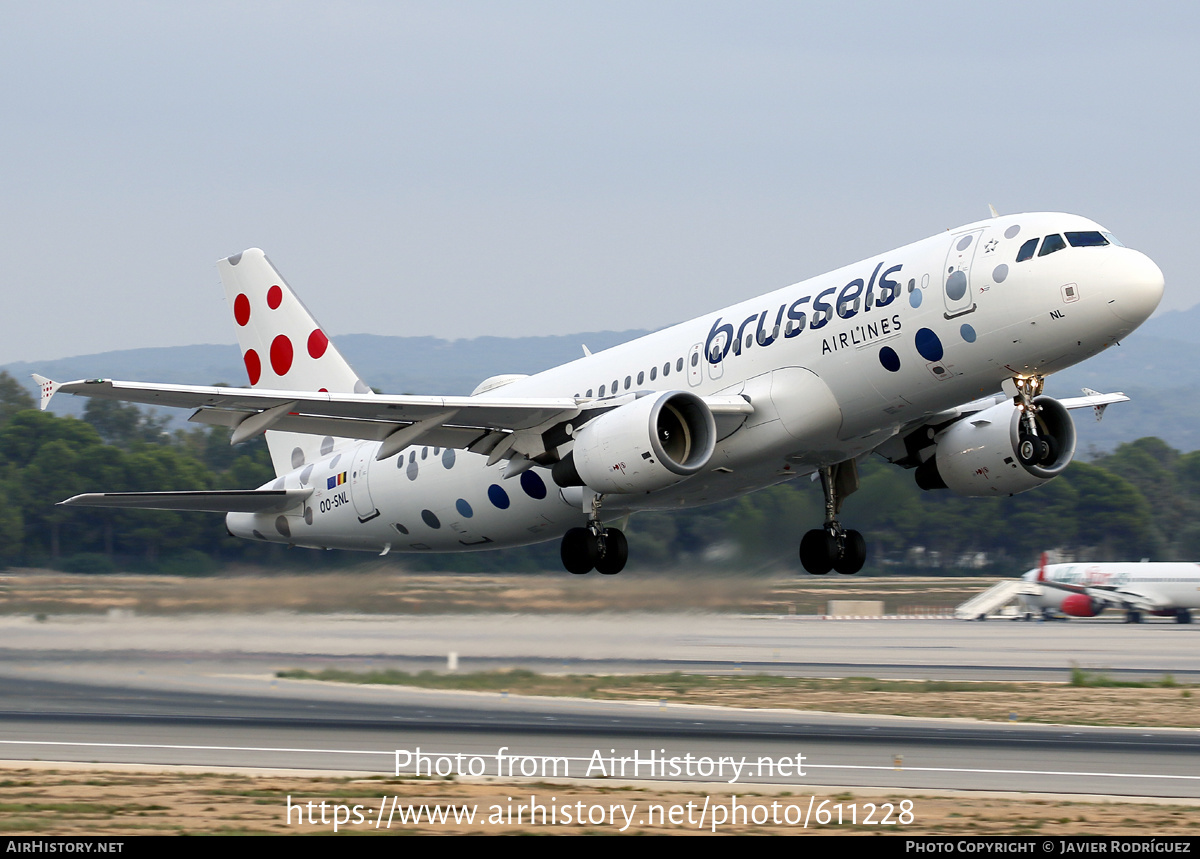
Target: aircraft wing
(1091, 399)
(501, 426)
(237, 501)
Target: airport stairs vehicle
(980, 606)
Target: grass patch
(1087, 698)
(1085, 679)
(522, 681)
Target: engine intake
(1079, 605)
(649, 444)
(989, 452)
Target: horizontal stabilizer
(234, 501)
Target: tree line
(1139, 501)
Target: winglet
(1041, 576)
(1099, 410)
(48, 386)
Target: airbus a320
(932, 356)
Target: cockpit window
(1089, 239)
(1112, 239)
(1051, 244)
(1027, 250)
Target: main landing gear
(595, 547)
(832, 547)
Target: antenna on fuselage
(992, 209)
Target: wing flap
(233, 501)
(441, 436)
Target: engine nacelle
(649, 444)
(988, 453)
(1079, 605)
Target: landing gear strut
(832, 547)
(595, 547)
(1035, 446)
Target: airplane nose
(1139, 288)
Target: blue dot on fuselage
(928, 345)
(498, 496)
(464, 508)
(968, 333)
(889, 359)
(533, 485)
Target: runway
(200, 691)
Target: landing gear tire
(853, 553)
(613, 551)
(579, 551)
(1183, 616)
(818, 550)
(1032, 450)
(821, 551)
(1133, 617)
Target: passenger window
(641, 376)
(1088, 239)
(679, 366)
(602, 390)
(666, 369)
(695, 358)
(1027, 250)
(1051, 244)
(628, 382)
(589, 393)
(653, 373)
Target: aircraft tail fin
(284, 349)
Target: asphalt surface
(201, 692)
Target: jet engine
(651, 443)
(992, 452)
(1079, 605)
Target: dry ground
(100, 800)
(97, 802)
(375, 588)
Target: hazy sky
(460, 169)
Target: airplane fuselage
(1154, 587)
(833, 366)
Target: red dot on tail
(323, 390)
(241, 309)
(317, 343)
(274, 297)
(253, 366)
(281, 355)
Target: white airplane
(932, 355)
(1085, 590)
